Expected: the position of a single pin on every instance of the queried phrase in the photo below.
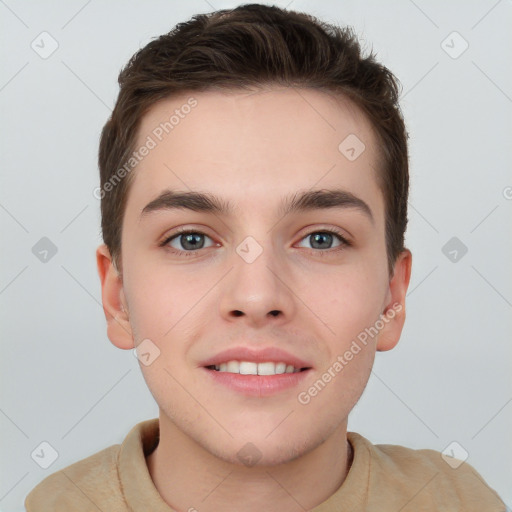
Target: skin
(253, 149)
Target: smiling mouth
(252, 368)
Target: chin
(261, 451)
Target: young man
(254, 184)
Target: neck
(188, 477)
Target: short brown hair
(251, 46)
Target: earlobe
(394, 311)
(115, 307)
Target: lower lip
(258, 385)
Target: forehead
(268, 142)
(285, 117)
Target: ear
(119, 330)
(394, 310)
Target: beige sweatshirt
(382, 478)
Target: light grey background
(448, 379)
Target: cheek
(160, 297)
(347, 300)
(339, 384)
(349, 303)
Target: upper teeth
(250, 368)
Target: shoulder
(84, 485)
(427, 478)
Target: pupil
(192, 241)
(318, 238)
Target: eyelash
(184, 231)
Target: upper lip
(260, 355)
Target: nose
(257, 290)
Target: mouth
(250, 379)
(267, 368)
(257, 372)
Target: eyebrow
(298, 202)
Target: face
(255, 270)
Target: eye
(324, 239)
(187, 241)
